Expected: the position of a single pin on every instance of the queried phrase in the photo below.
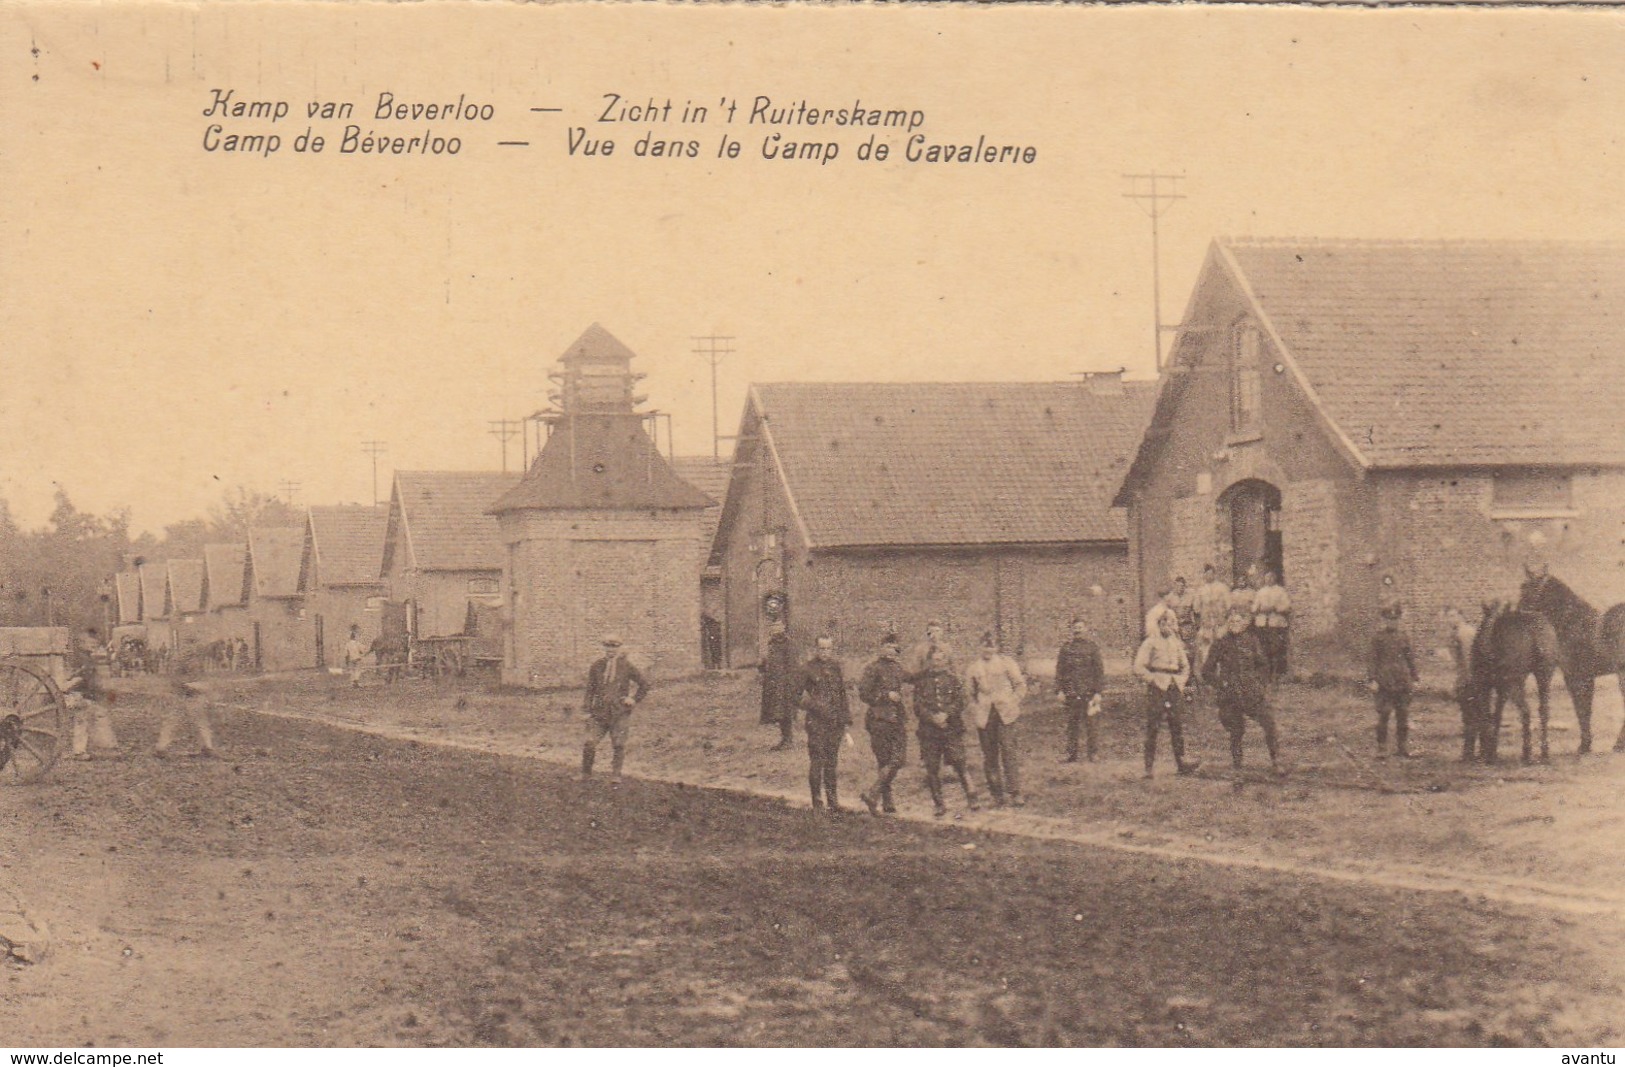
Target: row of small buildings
(1373, 421)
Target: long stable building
(855, 508)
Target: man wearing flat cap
(614, 687)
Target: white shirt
(1162, 662)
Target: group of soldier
(988, 691)
(1238, 637)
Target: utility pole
(1155, 199)
(504, 430)
(289, 490)
(375, 449)
(713, 348)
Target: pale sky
(174, 322)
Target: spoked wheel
(33, 723)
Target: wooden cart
(34, 721)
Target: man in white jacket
(996, 687)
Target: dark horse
(1510, 646)
(1589, 645)
(390, 651)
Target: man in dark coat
(1080, 676)
(939, 705)
(614, 687)
(1392, 674)
(820, 691)
(1238, 669)
(778, 670)
(881, 687)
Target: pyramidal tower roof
(598, 456)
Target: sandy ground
(1553, 831)
(321, 886)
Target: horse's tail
(1613, 637)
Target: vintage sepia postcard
(810, 525)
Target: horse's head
(1493, 608)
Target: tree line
(60, 574)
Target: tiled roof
(447, 526)
(709, 476)
(1453, 353)
(348, 542)
(223, 572)
(596, 343)
(128, 586)
(274, 554)
(952, 464)
(154, 586)
(186, 584)
(600, 461)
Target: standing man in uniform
(1212, 611)
(1272, 609)
(1080, 675)
(614, 687)
(939, 705)
(820, 691)
(881, 688)
(996, 689)
(1393, 671)
(1165, 667)
(778, 670)
(1238, 671)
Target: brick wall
(1441, 542)
(1030, 595)
(577, 575)
(1193, 540)
(339, 609)
(287, 641)
(1310, 542)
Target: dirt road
(327, 887)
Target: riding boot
(1235, 750)
(588, 754)
(617, 758)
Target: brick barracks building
(1380, 420)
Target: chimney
(1105, 383)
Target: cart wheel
(33, 722)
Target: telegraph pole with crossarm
(1155, 193)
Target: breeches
(617, 727)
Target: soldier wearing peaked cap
(820, 691)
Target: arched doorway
(1254, 509)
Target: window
(484, 587)
(375, 603)
(1246, 386)
(1534, 491)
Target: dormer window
(1246, 384)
